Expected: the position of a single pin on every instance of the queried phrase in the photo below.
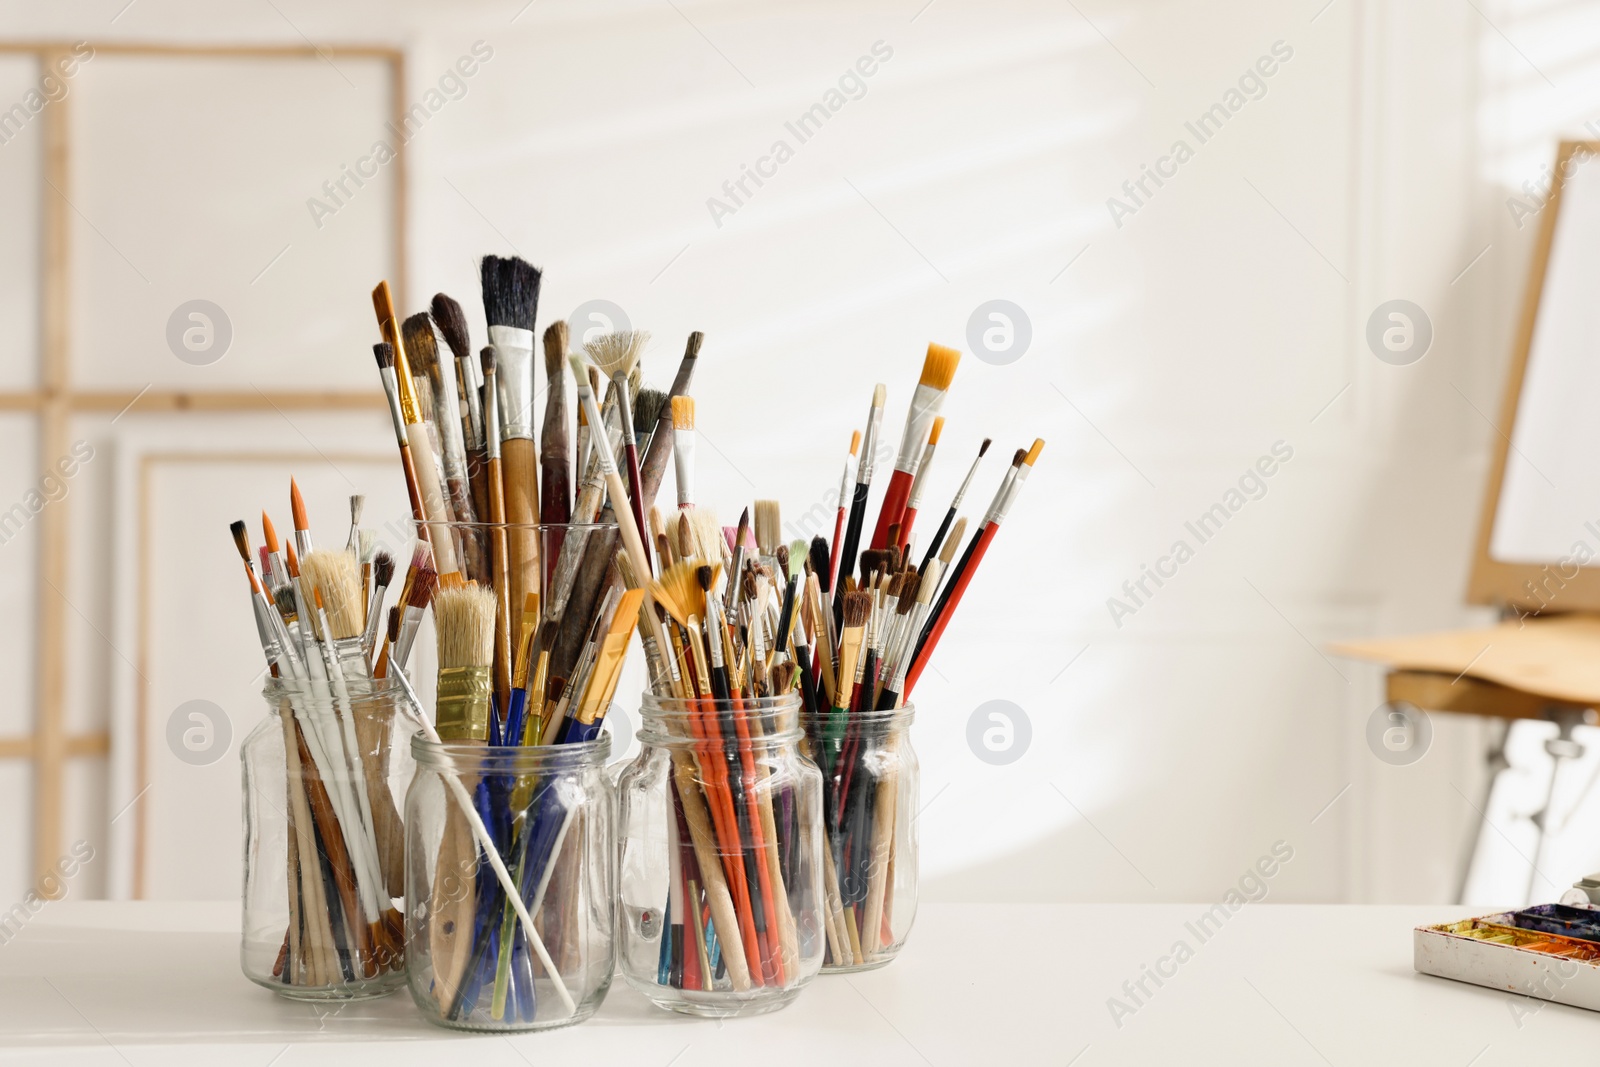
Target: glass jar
(870, 780)
(721, 903)
(471, 961)
(324, 843)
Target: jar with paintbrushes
(870, 780)
(509, 855)
(473, 961)
(720, 901)
(324, 843)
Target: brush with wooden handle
(510, 303)
(422, 348)
(427, 475)
(499, 543)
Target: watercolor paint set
(1548, 951)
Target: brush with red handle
(937, 371)
(950, 596)
(838, 520)
(918, 481)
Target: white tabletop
(113, 983)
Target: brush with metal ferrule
(831, 575)
(961, 577)
(445, 420)
(272, 646)
(683, 446)
(510, 303)
(950, 515)
(275, 574)
(421, 583)
(616, 355)
(938, 369)
(858, 502)
(918, 481)
(382, 575)
(499, 541)
(429, 491)
(302, 526)
(626, 526)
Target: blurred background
(200, 197)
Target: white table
(113, 983)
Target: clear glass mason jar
(870, 781)
(324, 843)
(721, 891)
(471, 961)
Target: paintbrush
(918, 481)
(555, 458)
(955, 504)
(510, 303)
(382, 575)
(352, 544)
(831, 575)
(425, 472)
(950, 596)
(383, 352)
(586, 720)
(616, 355)
(302, 525)
(445, 419)
(464, 618)
(499, 542)
(938, 369)
(275, 644)
(736, 572)
(452, 323)
(420, 585)
(858, 502)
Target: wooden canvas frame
(56, 398)
(1497, 582)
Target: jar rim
(302, 696)
(668, 722)
(521, 759)
(891, 716)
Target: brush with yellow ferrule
(914, 500)
(464, 622)
(589, 716)
(426, 472)
(510, 303)
(938, 369)
(464, 618)
(517, 706)
(616, 355)
(857, 606)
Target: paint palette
(1551, 952)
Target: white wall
(1169, 353)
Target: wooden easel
(1543, 661)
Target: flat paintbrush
(938, 369)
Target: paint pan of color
(1561, 919)
(1499, 952)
